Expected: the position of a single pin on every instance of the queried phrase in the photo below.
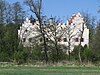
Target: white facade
(29, 32)
(73, 28)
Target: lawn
(48, 70)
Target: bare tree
(70, 33)
(80, 42)
(98, 10)
(8, 13)
(81, 31)
(2, 10)
(36, 6)
(54, 32)
(18, 12)
(78, 21)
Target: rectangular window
(65, 39)
(59, 39)
(26, 30)
(30, 39)
(46, 39)
(76, 39)
(24, 39)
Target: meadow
(49, 70)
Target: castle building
(70, 31)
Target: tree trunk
(57, 50)
(80, 48)
(44, 40)
(69, 49)
(45, 48)
(79, 54)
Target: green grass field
(48, 70)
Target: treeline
(12, 50)
(11, 13)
